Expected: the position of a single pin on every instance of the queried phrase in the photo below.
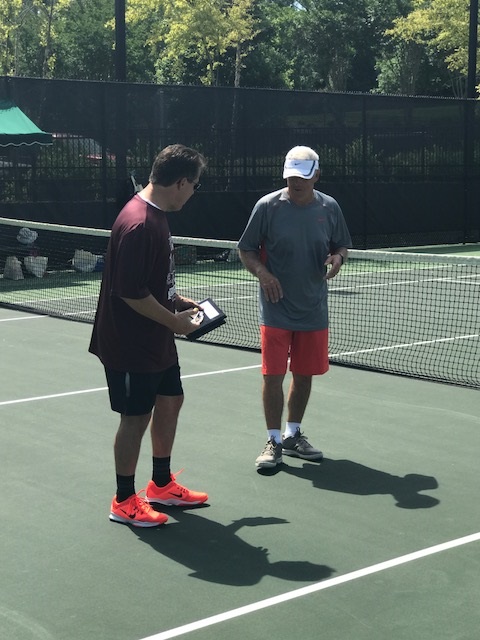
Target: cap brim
(300, 168)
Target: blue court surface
(379, 542)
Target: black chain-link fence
(405, 170)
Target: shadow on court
(346, 476)
(215, 553)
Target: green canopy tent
(20, 139)
(17, 129)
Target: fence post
(468, 168)
(364, 173)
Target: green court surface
(379, 542)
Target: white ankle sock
(274, 433)
(291, 429)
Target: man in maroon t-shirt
(138, 314)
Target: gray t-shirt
(294, 242)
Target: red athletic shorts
(307, 350)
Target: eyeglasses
(196, 185)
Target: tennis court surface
(380, 541)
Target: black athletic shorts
(133, 394)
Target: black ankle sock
(161, 471)
(125, 487)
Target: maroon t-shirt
(139, 262)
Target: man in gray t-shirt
(296, 240)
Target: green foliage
(440, 28)
(19, 37)
(343, 39)
(272, 61)
(411, 46)
(56, 38)
(188, 36)
(84, 40)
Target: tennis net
(409, 314)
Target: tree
(19, 37)
(57, 38)
(406, 46)
(441, 27)
(241, 33)
(142, 52)
(191, 38)
(83, 40)
(271, 61)
(337, 42)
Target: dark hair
(176, 162)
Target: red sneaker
(174, 494)
(136, 511)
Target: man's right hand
(270, 285)
(184, 322)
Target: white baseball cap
(301, 162)
(27, 236)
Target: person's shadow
(215, 553)
(347, 476)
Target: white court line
(313, 588)
(405, 345)
(213, 373)
(53, 395)
(22, 318)
(75, 393)
(255, 366)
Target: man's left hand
(335, 261)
